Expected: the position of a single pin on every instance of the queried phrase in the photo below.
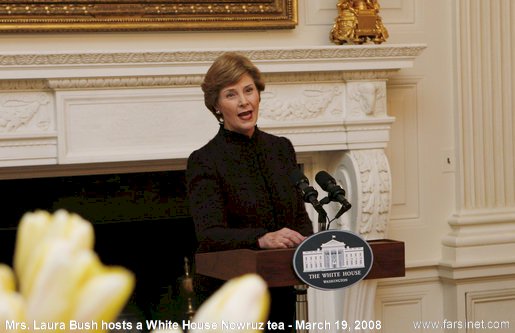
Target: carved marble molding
(365, 174)
(140, 81)
(311, 102)
(125, 82)
(207, 56)
(18, 85)
(366, 99)
(336, 76)
(25, 112)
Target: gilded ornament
(358, 21)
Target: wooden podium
(276, 268)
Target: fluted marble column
(484, 222)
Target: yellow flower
(39, 229)
(60, 277)
(7, 280)
(11, 303)
(103, 296)
(240, 305)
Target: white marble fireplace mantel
(79, 111)
(61, 108)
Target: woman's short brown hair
(227, 69)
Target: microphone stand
(344, 207)
(322, 218)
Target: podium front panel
(276, 267)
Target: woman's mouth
(247, 115)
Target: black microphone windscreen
(324, 179)
(296, 176)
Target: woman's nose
(243, 100)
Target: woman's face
(239, 105)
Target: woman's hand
(280, 239)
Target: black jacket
(239, 189)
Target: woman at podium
(239, 190)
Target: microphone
(309, 194)
(336, 193)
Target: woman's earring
(220, 119)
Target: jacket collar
(238, 137)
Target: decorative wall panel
(490, 310)
(117, 125)
(403, 151)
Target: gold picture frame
(145, 15)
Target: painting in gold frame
(145, 15)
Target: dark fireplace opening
(141, 221)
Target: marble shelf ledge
(43, 65)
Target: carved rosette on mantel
(81, 109)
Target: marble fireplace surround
(101, 112)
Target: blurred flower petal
(59, 275)
(103, 296)
(62, 273)
(7, 279)
(242, 301)
(38, 229)
(31, 230)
